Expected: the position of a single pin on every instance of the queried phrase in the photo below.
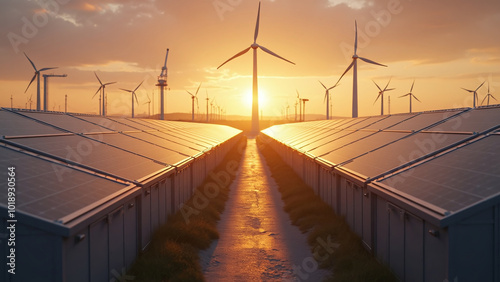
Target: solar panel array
(448, 159)
(66, 162)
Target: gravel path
(257, 241)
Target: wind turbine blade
(389, 89)
(482, 102)
(356, 37)
(44, 69)
(196, 94)
(326, 94)
(471, 91)
(332, 87)
(98, 78)
(298, 96)
(149, 100)
(257, 26)
(348, 68)
(322, 84)
(30, 61)
(404, 95)
(136, 100)
(416, 98)
(387, 85)
(274, 54)
(109, 83)
(235, 56)
(376, 99)
(190, 93)
(371, 62)
(126, 90)
(480, 85)
(377, 85)
(411, 89)
(138, 86)
(97, 91)
(32, 79)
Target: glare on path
(257, 241)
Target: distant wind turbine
(354, 64)
(193, 98)
(133, 95)
(474, 94)
(381, 96)
(255, 91)
(327, 99)
(37, 76)
(103, 94)
(488, 96)
(300, 105)
(149, 105)
(411, 95)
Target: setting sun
(262, 98)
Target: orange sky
(443, 45)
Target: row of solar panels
(445, 160)
(65, 162)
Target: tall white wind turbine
(327, 99)
(103, 94)
(193, 98)
(133, 95)
(381, 95)
(474, 94)
(255, 91)
(354, 65)
(37, 76)
(411, 95)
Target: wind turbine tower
(193, 98)
(207, 103)
(354, 65)
(304, 101)
(37, 76)
(255, 89)
(46, 88)
(162, 83)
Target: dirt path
(257, 241)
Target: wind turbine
(300, 105)
(149, 105)
(255, 90)
(327, 99)
(381, 95)
(194, 97)
(37, 76)
(488, 96)
(133, 95)
(30, 100)
(411, 95)
(354, 64)
(474, 94)
(208, 99)
(103, 94)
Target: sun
(247, 98)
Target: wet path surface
(257, 241)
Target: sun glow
(247, 98)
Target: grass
(173, 252)
(346, 257)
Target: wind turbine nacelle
(355, 56)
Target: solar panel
(340, 140)
(389, 122)
(423, 120)
(457, 179)
(12, 124)
(94, 154)
(67, 122)
(361, 146)
(106, 122)
(401, 152)
(476, 120)
(50, 190)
